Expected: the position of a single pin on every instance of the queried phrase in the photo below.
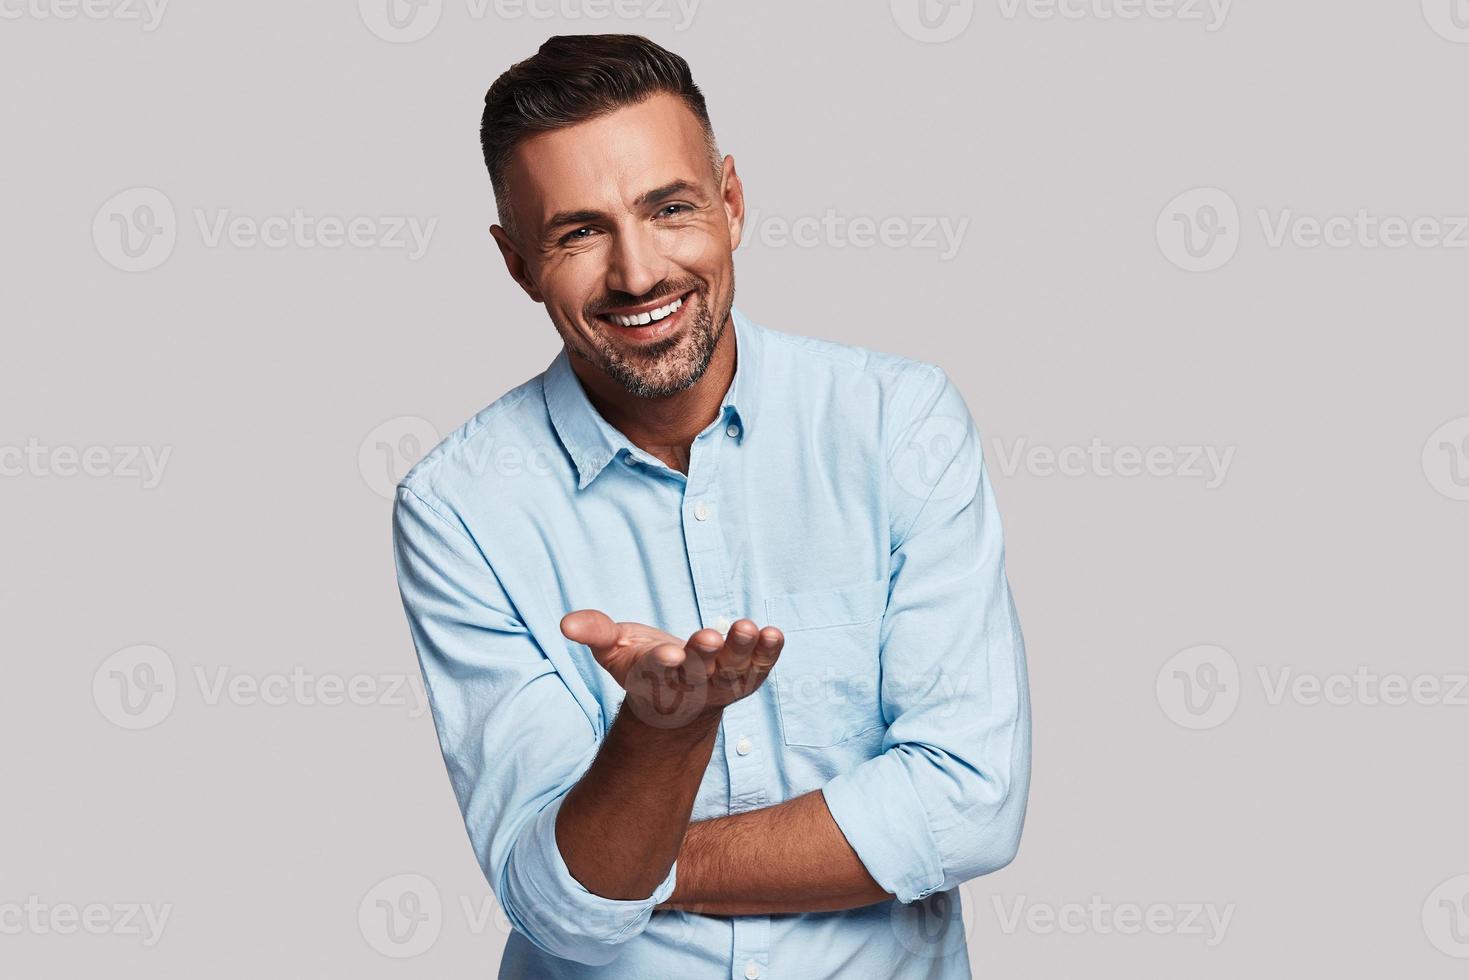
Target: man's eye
(577, 236)
(674, 208)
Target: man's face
(620, 221)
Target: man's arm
(621, 826)
(786, 858)
(945, 800)
(518, 733)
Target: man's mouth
(649, 320)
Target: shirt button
(743, 746)
(723, 624)
(732, 431)
(752, 970)
(701, 511)
(629, 460)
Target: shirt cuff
(557, 912)
(880, 814)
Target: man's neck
(664, 427)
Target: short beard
(667, 367)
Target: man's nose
(636, 264)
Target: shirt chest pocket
(826, 680)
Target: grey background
(1332, 833)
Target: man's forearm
(620, 827)
(786, 858)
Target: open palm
(670, 682)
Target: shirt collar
(592, 442)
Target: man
(713, 618)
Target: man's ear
(734, 202)
(515, 263)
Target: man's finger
(767, 650)
(591, 627)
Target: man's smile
(648, 321)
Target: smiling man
(713, 617)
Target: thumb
(591, 627)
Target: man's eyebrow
(563, 218)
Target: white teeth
(645, 318)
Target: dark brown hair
(574, 78)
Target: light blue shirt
(840, 495)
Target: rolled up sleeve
(945, 800)
(513, 737)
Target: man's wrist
(653, 726)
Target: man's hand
(670, 683)
(620, 826)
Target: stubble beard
(668, 366)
